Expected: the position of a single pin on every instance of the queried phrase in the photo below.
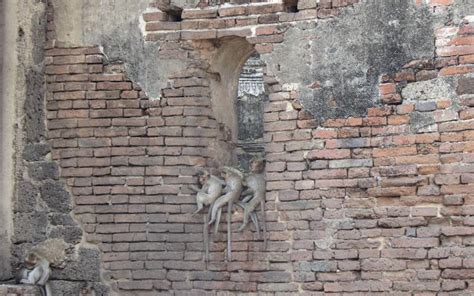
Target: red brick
(232, 11)
(155, 16)
(199, 13)
(441, 2)
(159, 26)
(114, 85)
(264, 8)
(456, 70)
(329, 154)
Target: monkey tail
(47, 290)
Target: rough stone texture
(56, 197)
(85, 268)
(430, 89)
(368, 141)
(30, 227)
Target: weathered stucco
(115, 26)
(337, 62)
(7, 58)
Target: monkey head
(203, 177)
(31, 260)
(257, 165)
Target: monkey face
(203, 179)
(256, 166)
(31, 260)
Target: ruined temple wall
(368, 140)
(35, 203)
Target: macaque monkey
(211, 189)
(36, 270)
(232, 191)
(254, 195)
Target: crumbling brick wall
(359, 204)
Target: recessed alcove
(238, 95)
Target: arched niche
(227, 63)
(238, 95)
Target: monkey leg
(264, 223)
(218, 220)
(246, 219)
(45, 274)
(254, 218)
(220, 202)
(229, 231)
(26, 281)
(200, 207)
(205, 234)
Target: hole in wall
(175, 15)
(291, 5)
(173, 12)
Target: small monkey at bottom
(38, 262)
(35, 272)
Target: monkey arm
(44, 264)
(194, 188)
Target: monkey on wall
(232, 191)
(36, 271)
(254, 195)
(38, 261)
(211, 189)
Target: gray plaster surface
(337, 62)
(115, 26)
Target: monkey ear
(203, 171)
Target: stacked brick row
(218, 22)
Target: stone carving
(251, 78)
(38, 262)
(211, 193)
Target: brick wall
(355, 206)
